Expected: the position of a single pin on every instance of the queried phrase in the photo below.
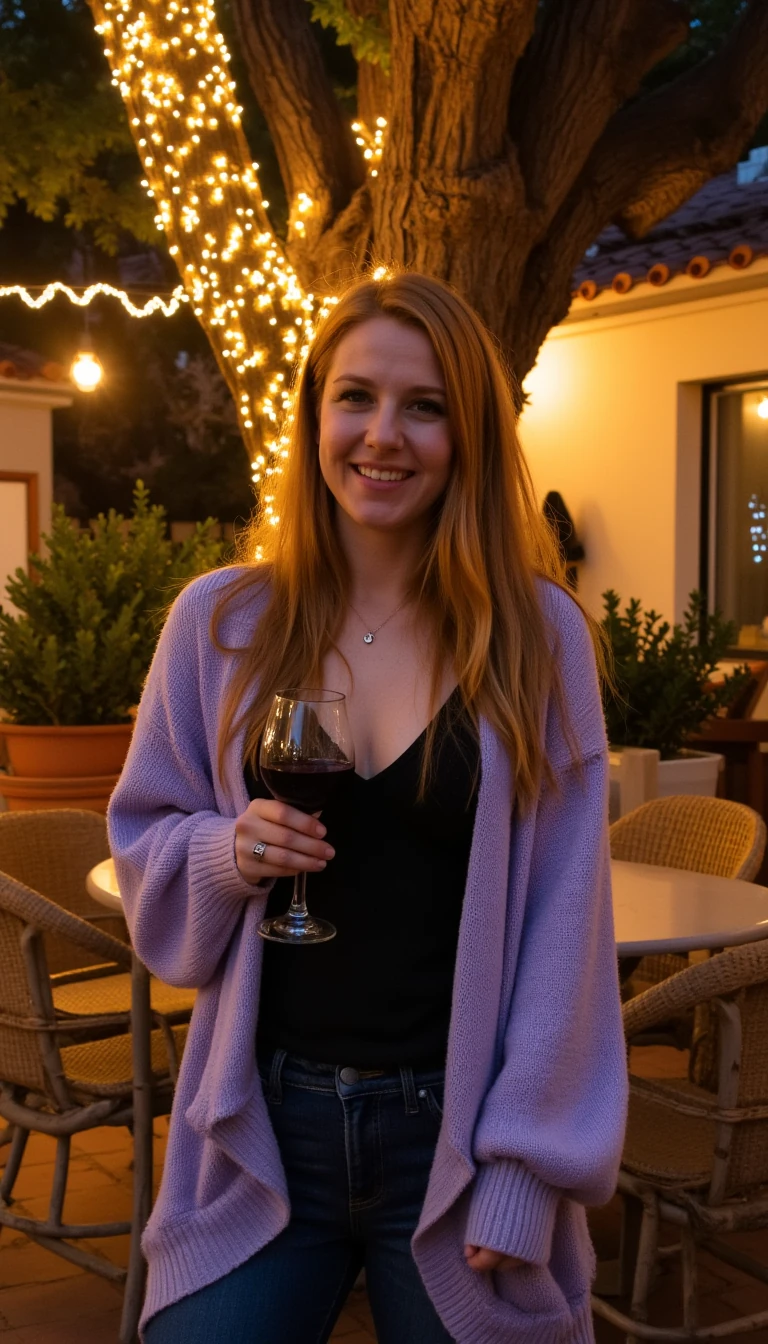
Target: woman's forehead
(386, 348)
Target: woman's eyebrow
(370, 382)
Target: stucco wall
(26, 440)
(614, 424)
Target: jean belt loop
(409, 1091)
(275, 1088)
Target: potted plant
(665, 687)
(76, 645)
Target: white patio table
(654, 909)
(670, 910)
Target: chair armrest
(37, 910)
(720, 975)
(84, 973)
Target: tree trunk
(515, 134)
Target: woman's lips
(379, 485)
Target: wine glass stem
(298, 906)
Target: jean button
(349, 1076)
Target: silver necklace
(370, 635)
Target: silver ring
(260, 849)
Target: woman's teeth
(375, 475)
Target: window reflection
(741, 513)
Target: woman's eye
(354, 394)
(425, 407)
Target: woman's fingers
(294, 842)
(284, 815)
(483, 1260)
(276, 861)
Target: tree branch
(314, 144)
(457, 54)
(586, 59)
(373, 82)
(653, 156)
(657, 152)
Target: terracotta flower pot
(56, 752)
(25, 794)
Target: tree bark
(314, 143)
(653, 156)
(587, 58)
(373, 84)
(515, 134)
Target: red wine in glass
(306, 756)
(308, 785)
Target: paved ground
(45, 1300)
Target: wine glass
(306, 755)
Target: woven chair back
(702, 835)
(52, 852)
(748, 1166)
(21, 1059)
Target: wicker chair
(702, 835)
(51, 852)
(694, 1158)
(56, 1079)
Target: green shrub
(89, 612)
(662, 689)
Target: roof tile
(16, 362)
(723, 215)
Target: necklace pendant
(368, 639)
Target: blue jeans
(357, 1150)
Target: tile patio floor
(45, 1300)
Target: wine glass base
(296, 929)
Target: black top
(378, 995)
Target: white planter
(637, 775)
(690, 772)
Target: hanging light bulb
(762, 408)
(86, 370)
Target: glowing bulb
(762, 409)
(86, 371)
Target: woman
(439, 1091)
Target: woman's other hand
(483, 1260)
(295, 842)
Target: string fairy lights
(371, 142)
(170, 63)
(154, 305)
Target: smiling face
(384, 439)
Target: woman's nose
(383, 431)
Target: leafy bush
(89, 614)
(662, 675)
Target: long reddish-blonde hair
(476, 583)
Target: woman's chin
(379, 518)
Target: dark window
(739, 507)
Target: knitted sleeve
(174, 848)
(552, 1124)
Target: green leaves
(662, 689)
(89, 614)
(367, 35)
(76, 154)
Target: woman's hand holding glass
(294, 841)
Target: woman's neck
(381, 564)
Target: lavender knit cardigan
(535, 1075)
